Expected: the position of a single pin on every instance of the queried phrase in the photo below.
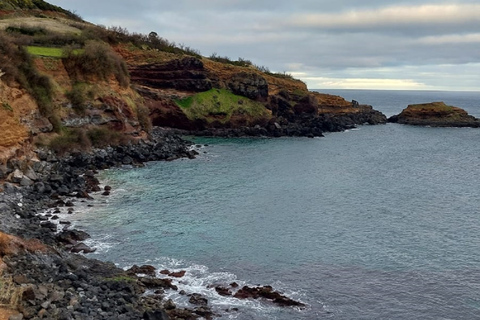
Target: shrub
(240, 62)
(98, 60)
(70, 140)
(102, 137)
(143, 115)
(27, 30)
(78, 97)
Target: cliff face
(173, 89)
(170, 85)
(435, 114)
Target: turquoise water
(379, 222)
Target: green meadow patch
(49, 51)
(220, 105)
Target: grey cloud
(341, 39)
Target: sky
(341, 44)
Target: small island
(435, 114)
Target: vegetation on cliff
(220, 106)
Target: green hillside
(32, 5)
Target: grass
(7, 106)
(220, 105)
(50, 52)
(438, 106)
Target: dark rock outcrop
(187, 74)
(250, 85)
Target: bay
(379, 222)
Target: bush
(102, 137)
(240, 62)
(27, 30)
(143, 115)
(98, 60)
(78, 97)
(70, 140)
(83, 140)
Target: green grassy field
(49, 52)
(220, 105)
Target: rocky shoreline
(42, 274)
(44, 279)
(308, 126)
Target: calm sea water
(379, 222)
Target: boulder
(82, 247)
(16, 176)
(72, 236)
(223, 291)
(26, 182)
(145, 269)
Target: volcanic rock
(435, 114)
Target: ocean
(378, 222)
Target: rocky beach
(44, 273)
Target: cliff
(435, 114)
(59, 90)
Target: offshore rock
(266, 292)
(435, 114)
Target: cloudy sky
(344, 44)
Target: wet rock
(82, 247)
(155, 315)
(83, 195)
(72, 236)
(178, 274)
(145, 269)
(223, 291)
(198, 299)
(169, 305)
(266, 292)
(154, 283)
(49, 225)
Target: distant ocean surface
(379, 222)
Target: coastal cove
(376, 222)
